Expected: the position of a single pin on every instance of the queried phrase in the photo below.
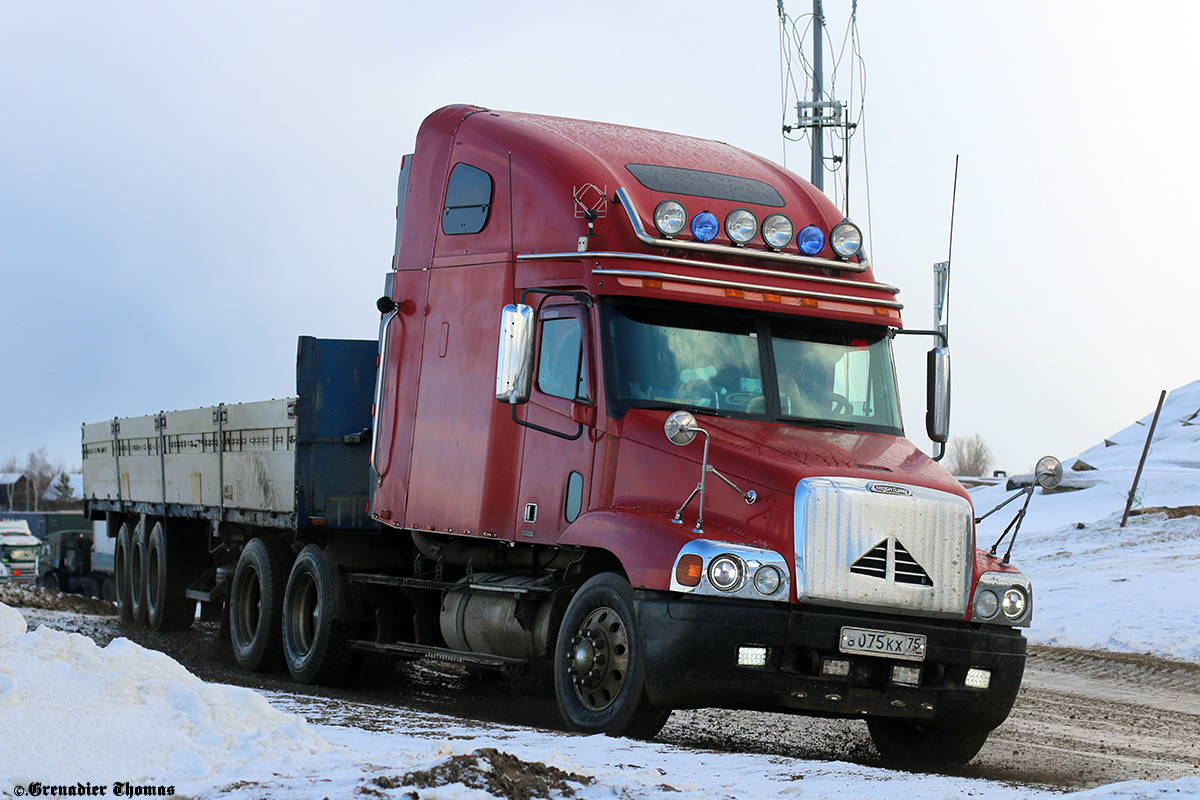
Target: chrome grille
(864, 544)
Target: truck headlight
(1003, 598)
(727, 572)
(1014, 603)
(725, 569)
(986, 604)
(767, 580)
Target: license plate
(906, 646)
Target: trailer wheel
(316, 645)
(911, 744)
(169, 569)
(256, 603)
(123, 567)
(599, 678)
(137, 575)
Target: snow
(1096, 584)
(152, 725)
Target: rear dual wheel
(316, 644)
(256, 603)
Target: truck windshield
(765, 367)
(11, 553)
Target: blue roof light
(811, 240)
(705, 226)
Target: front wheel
(915, 745)
(599, 678)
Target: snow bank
(1096, 584)
(72, 712)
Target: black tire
(108, 589)
(316, 644)
(91, 586)
(256, 604)
(170, 567)
(123, 566)
(599, 678)
(912, 745)
(137, 574)
(50, 581)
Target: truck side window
(468, 200)
(562, 365)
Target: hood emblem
(890, 560)
(888, 488)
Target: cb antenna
(941, 274)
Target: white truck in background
(18, 551)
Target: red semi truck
(677, 477)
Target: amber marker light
(689, 569)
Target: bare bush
(969, 457)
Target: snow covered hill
(1095, 583)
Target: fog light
(749, 655)
(979, 678)
(835, 667)
(907, 676)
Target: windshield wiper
(823, 423)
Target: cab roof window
(468, 200)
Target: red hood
(778, 456)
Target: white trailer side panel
(239, 457)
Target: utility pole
(818, 155)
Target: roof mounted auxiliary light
(705, 226)
(670, 217)
(811, 240)
(846, 239)
(777, 231)
(741, 226)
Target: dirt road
(1083, 718)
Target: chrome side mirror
(514, 359)
(681, 428)
(937, 413)
(1048, 472)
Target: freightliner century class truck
(632, 418)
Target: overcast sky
(186, 188)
